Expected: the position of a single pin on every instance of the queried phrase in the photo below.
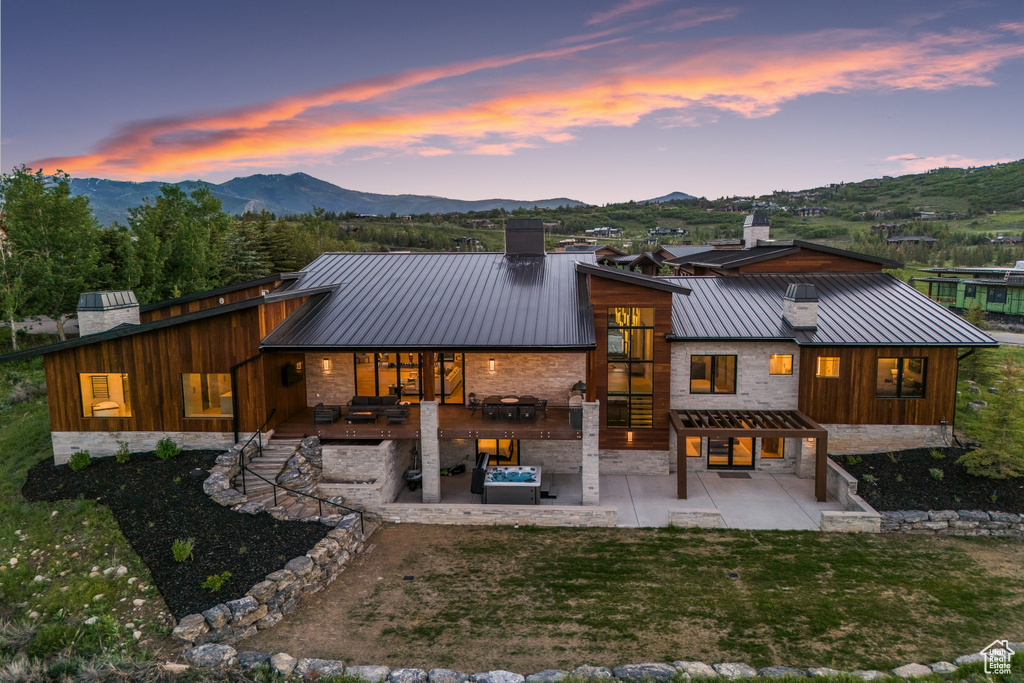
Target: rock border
(212, 655)
(953, 523)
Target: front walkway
(764, 501)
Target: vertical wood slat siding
(850, 398)
(154, 362)
(605, 294)
(172, 310)
(807, 261)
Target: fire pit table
(512, 485)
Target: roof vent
(800, 306)
(755, 228)
(102, 311)
(524, 237)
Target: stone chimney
(101, 311)
(800, 307)
(755, 228)
(524, 237)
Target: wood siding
(850, 398)
(172, 310)
(154, 362)
(605, 294)
(808, 261)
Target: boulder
(191, 628)
(369, 673)
(1008, 517)
(250, 660)
(300, 566)
(497, 676)
(228, 497)
(270, 620)
(217, 481)
(311, 669)
(262, 591)
(283, 663)
(822, 672)
(660, 673)
(977, 405)
(868, 674)
(407, 676)
(969, 659)
(587, 671)
(242, 607)
(211, 655)
(780, 672)
(253, 507)
(911, 671)
(218, 616)
(973, 515)
(447, 676)
(734, 670)
(942, 667)
(547, 676)
(942, 515)
(695, 668)
(281, 576)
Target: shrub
(853, 459)
(167, 449)
(123, 454)
(868, 478)
(936, 473)
(182, 548)
(80, 460)
(937, 455)
(25, 391)
(992, 464)
(215, 582)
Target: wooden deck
(456, 422)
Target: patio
(762, 501)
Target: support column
(805, 467)
(430, 448)
(591, 471)
(427, 375)
(680, 448)
(821, 469)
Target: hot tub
(512, 485)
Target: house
(999, 292)
(593, 370)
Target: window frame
(628, 360)
(126, 394)
(817, 367)
(780, 355)
(901, 363)
(782, 448)
(184, 402)
(713, 371)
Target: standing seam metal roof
(853, 309)
(443, 300)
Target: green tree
(247, 248)
(180, 242)
(53, 239)
(119, 263)
(1002, 453)
(13, 293)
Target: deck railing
(258, 436)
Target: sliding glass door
(398, 374)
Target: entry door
(730, 453)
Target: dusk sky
(601, 101)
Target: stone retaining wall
(846, 439)
(954, 523)
(858, 516)
(703, 519)
(104, 444)
(266, 603)
(494, 515)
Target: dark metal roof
(734, 258)
(638, 279)
(683, 250)
(866, 309)
(270, 279)
(981, 270)
(443, 301)
(106, 301)
(128, 329)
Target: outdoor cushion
(360, 401)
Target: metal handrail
(275, 486)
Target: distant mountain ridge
(289, 195)
(670, 197)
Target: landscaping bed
(156, 502)
(919, 479)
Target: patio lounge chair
(325, 414)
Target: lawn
(528, 599)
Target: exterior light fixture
(325, 364)
(298, 366)
(629, 437)
(490, 365)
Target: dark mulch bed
(157, 501)
(903, 481)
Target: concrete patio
(762, 501)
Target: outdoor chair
(474, 404)
(325, 414)
(490, 411)
(542, 408)
(509, 412)
(527, 412)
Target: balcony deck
(456, 422)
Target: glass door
(730, 453)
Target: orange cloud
(604, 84)
(911, 163)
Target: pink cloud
(911, 163)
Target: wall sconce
(490, 365)
(809, 444)
(629, 437)
(325, 364)
(298, 366)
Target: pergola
(777, 424)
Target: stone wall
(503, 515)
(266, 603)
(755, 388)
(334, 387)
(544, 375)
(104, 444)
(703, 519)
(366, 475)
(554, 457)
(858, 516)
(856, 439)
(91, 322)
(954, 523)
(635, 462)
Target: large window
(206, 394)
(693, 447)
(780, 364)
(772, 448)
(630, 367)
(398, 374)
(105, 394)
(900, 378)
(499, 451)
(827, 366)
(712, 374)
(996, 295)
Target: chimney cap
(105, 301)
(801, 292)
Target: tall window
(827, 366)
(712, 374)
(105, 394)
(206, 394)
(772, 448)
(780, 364)
(693, 447)
(900, 378)
(630, 367)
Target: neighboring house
(996, 291)
(640, 375)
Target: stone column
(805, 459)
(591, 453)
(431, 452)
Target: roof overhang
(746, 423)
(637, 279)
(227, 289)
